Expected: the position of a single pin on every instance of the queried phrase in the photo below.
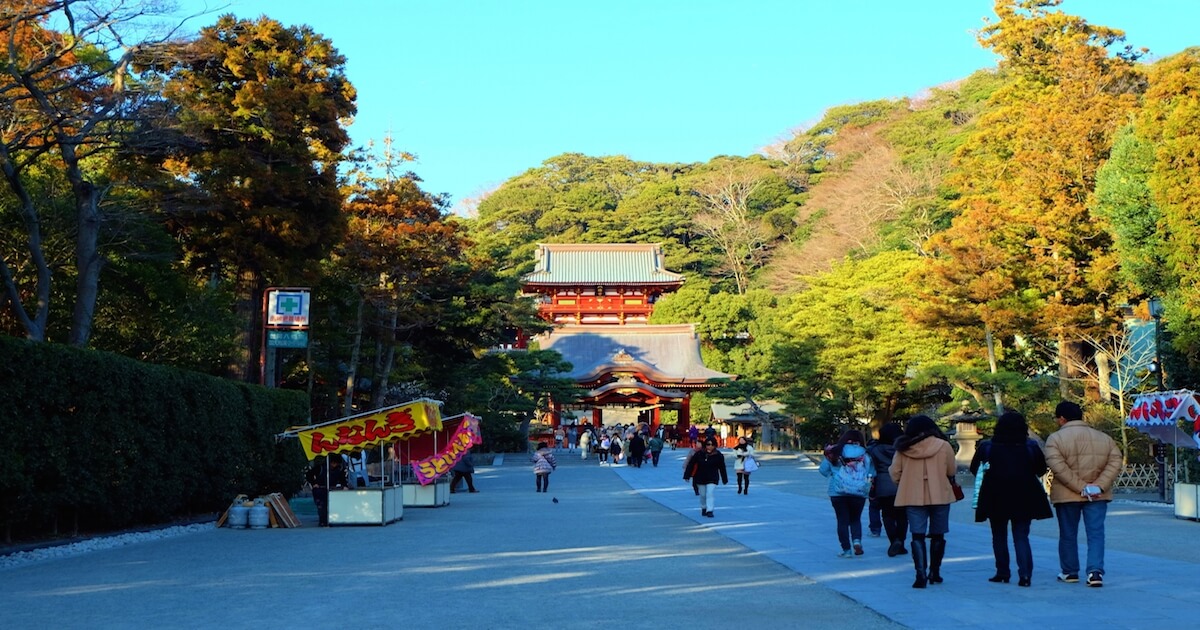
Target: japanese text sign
(372, 429)
(434, 466)
(288, 307)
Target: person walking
(463, 470)
(743, 453)
(585, 444)
(704, 469)
(694, 437)
(560, 438)
(1085, 463)
(1007, 469)
(922, 469)
(850, 474)
(605, 445)
(572, 438)
(615, 448)
(637, 450)
(893, 519)
(543, 464)
(656, 448)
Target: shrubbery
(99, 441)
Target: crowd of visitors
(910, 473)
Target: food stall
(376, 500)
(1173, 418)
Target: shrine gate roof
(608, 263)
(666, 354)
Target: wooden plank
(280, 508)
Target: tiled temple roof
(591, 264)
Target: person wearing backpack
(850, 474)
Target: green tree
(854, 321)
(264, 109)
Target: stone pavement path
(787, 517)
(604, 556)
(622, 548)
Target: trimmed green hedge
(97, 441)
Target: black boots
(918, 555)
(937, 550)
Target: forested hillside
(986, 244)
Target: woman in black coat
(895, 520)
(1011, 493)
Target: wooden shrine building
(601, 296)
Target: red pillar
(685, 416)
(597, 417)
(656, 420)
(555, 414)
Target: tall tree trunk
(355, 351)
(997, 395)
(87, 255)
(35, 324)
(381, 380)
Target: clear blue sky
(482, 91)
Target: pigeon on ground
(555, 499)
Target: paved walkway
(621, 548)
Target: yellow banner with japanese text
(372, 429)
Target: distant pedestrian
(560, 438)
(922, 469)
(704, 470)
(1085, 463)
(743, 453)
(602, 450)
(616, 449)
(463, 470)
(850, 473)
(572, 438)
(637, 450)
(1008, 469)
(585, 444)
(656, 449)
(694, 436)
(543, 464)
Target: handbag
(958, 491)
(750, 465)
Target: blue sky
(482, 91)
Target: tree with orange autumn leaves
(1026, 255)
(68, 97)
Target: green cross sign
(288, 304)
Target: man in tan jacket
(1085, 463)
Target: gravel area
(21, 558)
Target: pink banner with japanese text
(467, 435)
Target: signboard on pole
(288, 307)
(287, 338)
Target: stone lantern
(965, 434)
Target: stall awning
(370, 429)
(1173, 417)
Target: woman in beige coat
(922, 469)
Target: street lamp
(1156, 311)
